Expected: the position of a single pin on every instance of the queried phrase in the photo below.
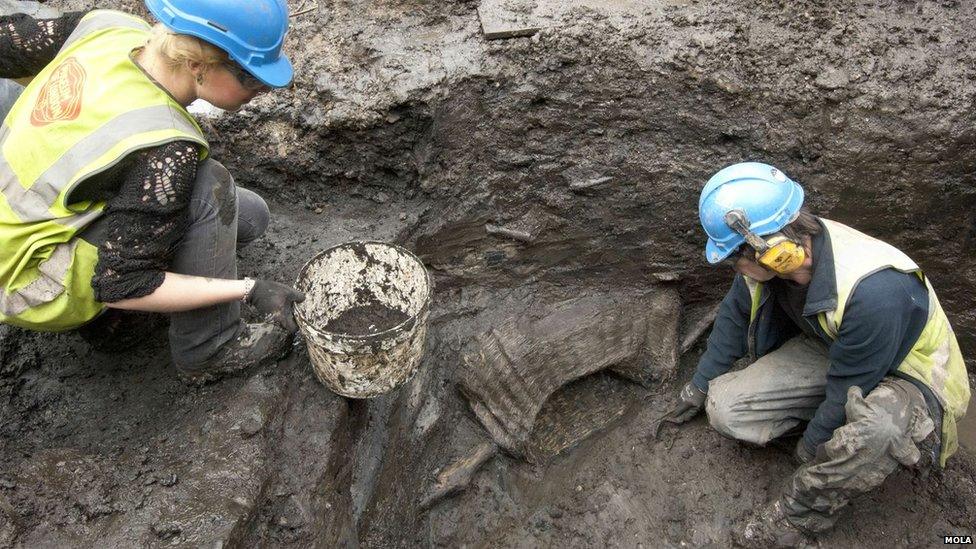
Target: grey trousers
(775, 394)
(223, 218)
(9, 92)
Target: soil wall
(591, 140)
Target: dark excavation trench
(550, 184)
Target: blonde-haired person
(112, 205)
(178, 61)
(178, 50)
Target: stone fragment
(516, 18)
(667, 276)
(832, 78)
(166, 531)
(507, 19)
(577, 186)
(252, 424)
(201, 108)
(520, 236)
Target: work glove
(690, 402)
(273, 300)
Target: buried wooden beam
(456, 476)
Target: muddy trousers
(783, 389)
(223, 218)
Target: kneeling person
(843, 331)
(111, 201)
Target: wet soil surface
(368, 319)
(111, 450)
(569, 161)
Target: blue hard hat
(769, 199)
(250, 31)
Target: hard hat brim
(278, 74)
(715, 254)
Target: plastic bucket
(346, 279)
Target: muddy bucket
(364, 316)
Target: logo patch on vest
(60, 98)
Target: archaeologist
(848, 345)
(111, 203)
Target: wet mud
(558, 167)
(368, 319)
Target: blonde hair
(176, 50)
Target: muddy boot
(770, 528)
(257, 345)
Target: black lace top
(147, 194)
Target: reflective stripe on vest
(755, 291)
(35, 203)
(107, 19)
(46, 288)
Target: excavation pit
(523, 172)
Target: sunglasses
(247, 80)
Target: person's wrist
(699, 383)
(248, 289)
(693, 395)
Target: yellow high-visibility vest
(80, 116)
(934, 358)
